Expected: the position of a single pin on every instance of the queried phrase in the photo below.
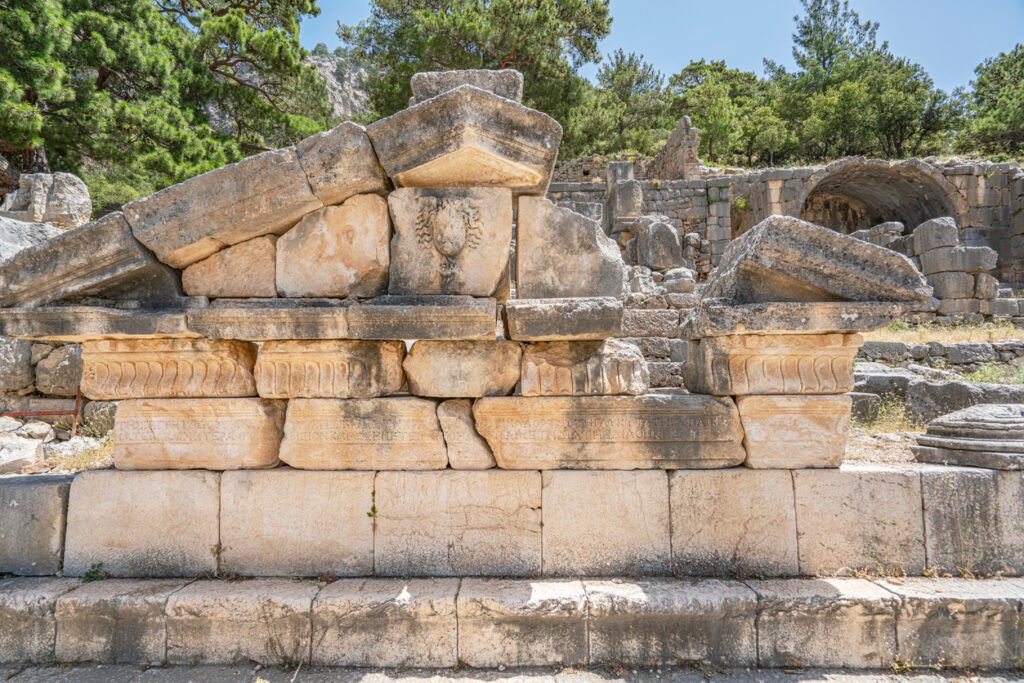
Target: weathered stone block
(247, 269)
(340, 163)
(285, 522)
(117, 621)
(458, 523)
(226, 622)
(611, 432)
(60, 373)
(522, 623)
(401, 433)
(139, 524)
(32, 516)
(961, 259)
(260, 195)
(985, 286)
(733, 522)
(825, 623)
(15, 364)
(935, 234)
(463, 369)
(507, 83)
(329, 368)
(958, 307)
(337, 251)
(423, 317)
(584, 368)
(28, 628)
(386, 622)
(167, 368)
(624, 532)
(650, 323)
(198, 433)
(263, 319)
(652, 622)
(467, 450)
(710, 319)
(563, 319)
(952, 285)
(793, 432)
(80, 323)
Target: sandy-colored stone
(386, 622)
(117, 621)
(606, 367)
(772, 364)
(714, 319)
(449, 240)
(522, 623)
(340, 163)
(575, 319)
(399, 433)
(167, 368)
(458, 523)
(329, 368)
(32, 517)
(263, 319)
(505, 82)
(27, 625)
(423, 317)
(467, 450)
(247, 269)
(733, 522)
(463, 369)
(82, 323)
(265, 194)
(825, 623)
(337, 251)
(286, 522)
(611, 432)
(197, 433)
(606, 523)
(560, 253)
(792, 432)
(226, 622)
(859, 517)
(653, 622)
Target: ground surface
(869, 445)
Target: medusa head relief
(448, 227)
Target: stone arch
(855, 193)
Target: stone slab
(340, 163)
(423, 317)
(463, 369)
(455, 523)
(285, 522)
(197, 433)
(574, 319)
(263, 319)
(246, 269)
(142, 524)
(653, 322)
(710, 319)
(82, 323)
(794, 432)
(398, 433)
(656, 431)
(32, 517)
(507, 83)
(329, 368)
(386, 622)
(28, 629)
(606, 367)
(467, 450)
(959, 259)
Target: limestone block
(81, 323)
(584, 368)
(264, 194)
(793, 432)
(986, 286)
(60, 373)
(467, 450)
(17, 453)
(507, 83)
(989, 435)
(455, 523)
(15, 364)
(99, 259)
(825, 623)
(658, 247)
(386, 622)
(225, 622)
(17, 235)
(560, 253)
(117, 621)
(959, 623)
(624, 531)
(652, 622)
(650, 323)
(197, 433)
(285, 522)
(1005, 307)
(167, 368)
(423, 317)
(329, 368)
(463, 369)
(579, 319)
(27, 625)
(935, 234)
(337, 251)
(247, 269)
(263, 319)
(401, 433)
(958, 306)
(772, 364)
(611, 432)
(952, 285)
(859, 517)
(468, 137)
(32, 517)
(711, 319)
(522, 623)
(449, 240)
(139, 524)
(58, 198)
(733, 522)
(340, 163)
(961, 259)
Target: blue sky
(948, 37)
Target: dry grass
(997, 373)
(887, 438)
(918, 334)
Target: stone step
(489, 623)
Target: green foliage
(997, 105)
(95, 572)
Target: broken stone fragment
(561, 253)
(657, 245)
(337, 251)
(507, 83)
(467, 450)
(244, 270)
(584, 368)
(988, 435)
(794, 432)
(463, 369)
(449, 240)
(574, 319)
(60, 373)
(329, 368)
(340, 163)
(468, 137)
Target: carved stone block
(578, 319)
(423, 317)
(262, 319)
(792, 432)
(463, 369)
(584, 368)
(167, 368)
(81, 323)
(329, 368)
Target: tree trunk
(8, 176)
